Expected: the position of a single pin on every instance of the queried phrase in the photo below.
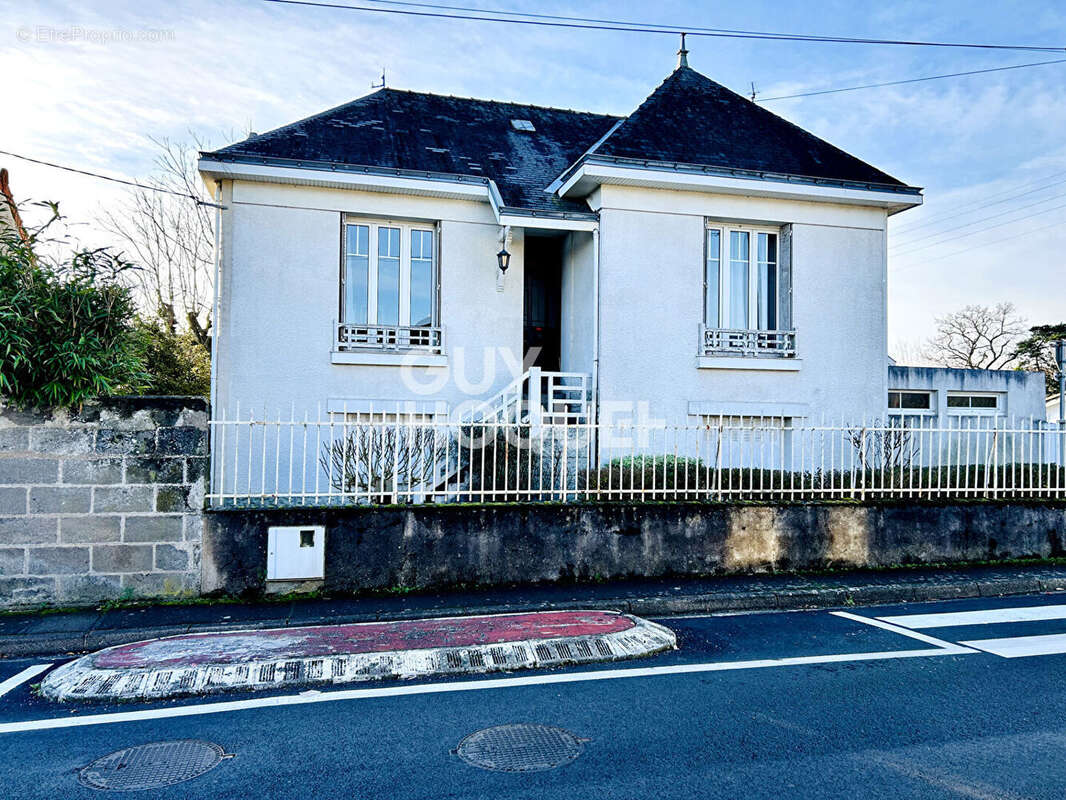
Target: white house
(700, 258)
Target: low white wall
(1021, 393)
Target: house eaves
(336, 175)
(596, 169)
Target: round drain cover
(520, 748)
(151, 766)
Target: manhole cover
(520, 748)
(151, 766)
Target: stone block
(62, 441)
(29, 470)
(169, 557)
(123, 498)
(194, 527)
(88, 588)
(153, 529)
(183, 441)
(197, 468)
(28, 530)
(13, 500)
(122, 557)
(125, 442)
(92, 471)
(58, 560)
(14, 439)
(173, 499)
(12, 561)
(158, 584)
(90, 529)
(27, 591)
(60, 499)
(155, 470)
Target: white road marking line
(984, 617)
(1021, 646)
(460, 686)
(888, 626)
(22, 677)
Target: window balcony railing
(747, 343)
(349, 337)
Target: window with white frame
(971, 403)
(389, 274)
(902, 401)
(389, 286)
(742, 280)
(746, 292)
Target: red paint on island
(373, 637)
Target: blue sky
(221, 69)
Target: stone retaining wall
(103, 503)
(440, 546)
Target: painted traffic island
(203, 663)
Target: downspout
(596, 338)
(215, 321)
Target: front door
(543, 295)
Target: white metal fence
(344, 459)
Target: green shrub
(66, 326)
(176, 362)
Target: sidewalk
(80, 631)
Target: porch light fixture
(504, 260)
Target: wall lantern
(504, 259)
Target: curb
(50, 644)
(85, 679)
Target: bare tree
(171, 239)
(977, 337)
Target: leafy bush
(176, 362)
(66, 326)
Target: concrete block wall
(102, 503)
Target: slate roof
(437, 133)
(689, 119)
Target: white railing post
(534, 385)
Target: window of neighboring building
(742, 279)
(389, 274)
(904, 401)
(959, 403)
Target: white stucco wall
(1021, 393)
(280, 289)
(651, 287)
(578, 288)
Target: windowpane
(713, 278)
(920, 401)
(978, 401)
(388, 276)
(958, 401)
(356, 273)
(738, 279)
(893, 399)
(421, 277)
(767, 271)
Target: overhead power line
(586, 23)
(109, 178)
(911, 80)
(908, 247)
(988, 228)
(981, 244)
(976, 205)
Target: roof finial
(682, 54)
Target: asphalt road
(784, 705)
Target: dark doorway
(543, 297)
